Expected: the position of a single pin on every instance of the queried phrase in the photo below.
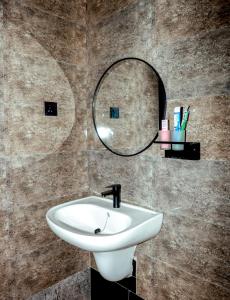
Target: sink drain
(98, 230)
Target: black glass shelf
(191, 150)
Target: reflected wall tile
(163, 281)
(154, 150)
(45, 266)
(93, 142)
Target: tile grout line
(35, 7)
(197, 277)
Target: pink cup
(164, 137)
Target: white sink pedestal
(115, 265)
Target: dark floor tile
(129, 283)
(103, 289)
(133, 296)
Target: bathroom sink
(76, 222)
(112, 234)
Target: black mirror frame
(162, 104)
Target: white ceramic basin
(112, 234)
(76, 222)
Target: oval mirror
(129, 101)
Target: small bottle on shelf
(165, 134)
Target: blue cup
(178, 136)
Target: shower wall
(186, 42)
(43, 159)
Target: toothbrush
(185, 119)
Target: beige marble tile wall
(187, 43)
(43, 160)
(76, 286)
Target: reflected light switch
(114, 112)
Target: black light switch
(50, 108)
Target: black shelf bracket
(191, 150)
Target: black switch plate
(50, 108)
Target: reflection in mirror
(126, 106)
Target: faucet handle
(118, 186)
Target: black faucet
(116, 192)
